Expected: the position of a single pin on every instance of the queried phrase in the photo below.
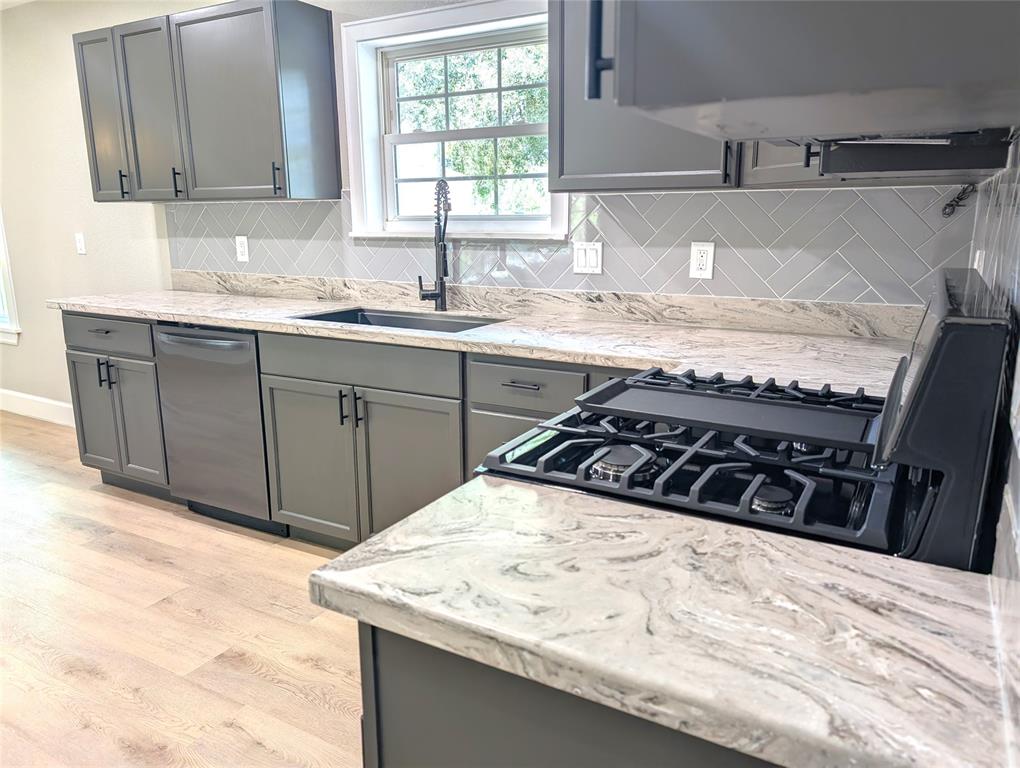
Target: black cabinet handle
(595, 63)
(109, 374)
(343, 416)
(120, 179)
(99, 371)
(276, 187)
(520, 385)
(100, 331)
(358, 418)
(174, 173)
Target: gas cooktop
(672, 439)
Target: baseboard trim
(36, 407)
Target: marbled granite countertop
(798, 652)
(845, 362)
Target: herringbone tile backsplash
(876, 245)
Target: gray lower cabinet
(309, 427)
(94, 421)
(116, 415)
(100, 106)
(409, 453)
(594, 146)
(137, 414)
(149, 107)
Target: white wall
(45, 191)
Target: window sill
(544, 237)
(10, 336)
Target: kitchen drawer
(522, 387)
(101, 334)
(361, 364)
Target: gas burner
(618, 460)
(773, 500)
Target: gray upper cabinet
(409, 453)
(309, 427)
(596, 146)
(92, 400)
(778, 164)
(139, 424)
(149, 109)
(101, 112)
(257, 100)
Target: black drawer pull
(100, 331)
(358, 418)
(520, 385)
(109, 375)
(343, 416)
(99, 371)
(120, 179)
(174, 173)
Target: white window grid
(390, 117)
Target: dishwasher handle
(198, 341)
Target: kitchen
(497, 383)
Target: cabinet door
(487, 430)
(92, 400)
(149, 107)
(139, 424)
(594, 145)
(310, 444)
(777, 164)
(228, 96)
(100, 106)
(409, 453)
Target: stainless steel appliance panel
(212, 418)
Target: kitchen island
(746, 643)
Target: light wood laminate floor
(135, 633)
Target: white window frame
(9, 328)
(364, 50)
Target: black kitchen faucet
(438, 291)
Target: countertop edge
(762, 739)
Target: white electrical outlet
(79, 243)
(241, 247)
(587, 258)
(702, 260)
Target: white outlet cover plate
(587, 258)
(702, 260)
(241, 247)
(79, 243)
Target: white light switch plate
(702, 260)
(241, 247)
(587, 258)
(79, 243)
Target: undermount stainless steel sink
(416, 320)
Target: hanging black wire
(957, 202)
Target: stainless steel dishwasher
(212, 419)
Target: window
(476, 116)
(457, 93)
(9, 329)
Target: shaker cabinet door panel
(409, 453)
(225, 65)
(149, 104)
(594, 145)
(139, 424)
(100, 105)
(92, 400)
(310, 444)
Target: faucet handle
(424, 295)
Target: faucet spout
(438, 292)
